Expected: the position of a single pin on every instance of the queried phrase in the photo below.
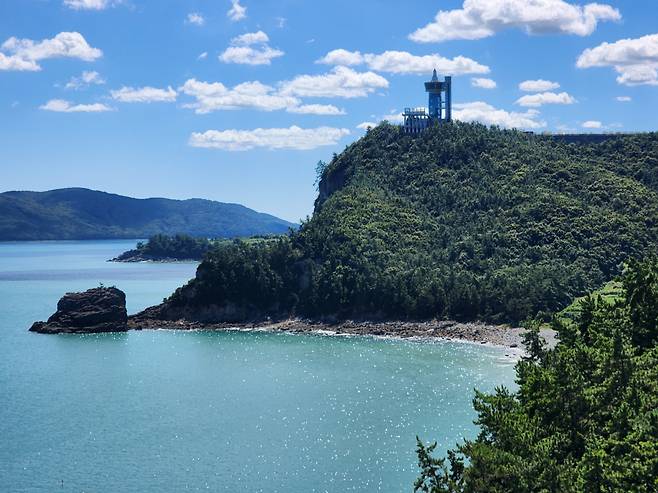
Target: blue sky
(237, 100)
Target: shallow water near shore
(168, 411)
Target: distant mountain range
(80, 213)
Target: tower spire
(434, 89)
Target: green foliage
(585, 417)
(609, 293)
(182, 247)
(320, 168)
(466, 222)
(436, 476)
(263, 274)
(534, 343)
(641, 284)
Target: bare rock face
(95, 310)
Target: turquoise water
(166, 411)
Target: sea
(220, 411)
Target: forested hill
(463, 221)
(79, 213)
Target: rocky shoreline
(139, 257)
(103, 309)
(475, 332)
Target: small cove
(212, 411)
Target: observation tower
(439, 106)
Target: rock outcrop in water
(95, 310)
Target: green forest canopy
(181, 247)
(462, 221)
(585, 416)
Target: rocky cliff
(95, 310)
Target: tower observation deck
(439, 106)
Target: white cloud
(215, 96)
(248, 39)
(202, 56)
(539, 85)
(281, 22)
(90, 4)
(236, 12)
(403, 62)
(250, 56)
(196, 19)
(85, 80)
(393, 117)
(489, 115)
(342, 57)
(24, 54)
(624, 99)
(623, 52)
(250, 49)
(639, 75)
(145, 94)
(18, 64)
(479, 19)
(592, 124)
(341, 82)
(271, 138)
(483, 83)
(366, 125)
(542, 98)
(635, 60)
(316, 109)
(63, 106)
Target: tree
(466, 222)
(320, 168)
(585, 416)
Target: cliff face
(462, 221)
(331, 181)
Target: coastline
(153, 260)
(430, 330)
(134, 256)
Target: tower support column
(448, 90)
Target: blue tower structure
(439, 106)
(434, 89)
